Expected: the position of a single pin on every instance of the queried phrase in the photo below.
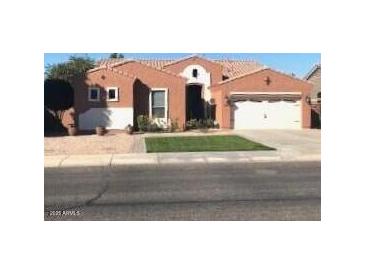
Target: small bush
(201, 124)
(153, 127)
(145, 124)
(192, 124)
(142, 122)
(174, 125)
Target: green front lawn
(202, 143)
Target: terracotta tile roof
(152, 62)
(255, 71)
(111, 63)
(111, 69)
(189, 57)
(231, 68)
(234, 68)
(156, 62)
(240, 76)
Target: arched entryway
(194, 102)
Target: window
(195, 73)
(158, 103)
(94, 94)
(112, 94)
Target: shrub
(153, 127)
(142, 122)
(216, 124)
(192, 124)
(201, 124)
(210, 123)
(174, 125)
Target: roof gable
(194, 56)
(257, 71)
(111, 70)
(125, 61)
(234, 68)
(312, 71)
(231, 68)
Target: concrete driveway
(291, 143)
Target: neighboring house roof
(314, 77)
(231, 68)
(312, 71)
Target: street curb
(113, 160)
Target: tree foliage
(116, 55)
(75, 66)
(58, 97)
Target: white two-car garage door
(267, 114)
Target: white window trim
(166, 101)
(89, 94)
(116, 94)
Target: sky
(297, 63)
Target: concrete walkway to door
(289, 143)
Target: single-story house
(237, 94)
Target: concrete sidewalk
(175, 158)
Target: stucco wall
(215, 69)
(203, 78)
(153, 78)
(85, 110)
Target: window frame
(166, 102)
(89, 94)
(116, 99)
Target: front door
(194, 102)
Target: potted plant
(100, 130)
(72, 130)
(130, 129)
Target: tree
(75, 66)
(58, 97)
(116, 55)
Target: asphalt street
(196, 191)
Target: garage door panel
(267, 115)
(248, 115)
